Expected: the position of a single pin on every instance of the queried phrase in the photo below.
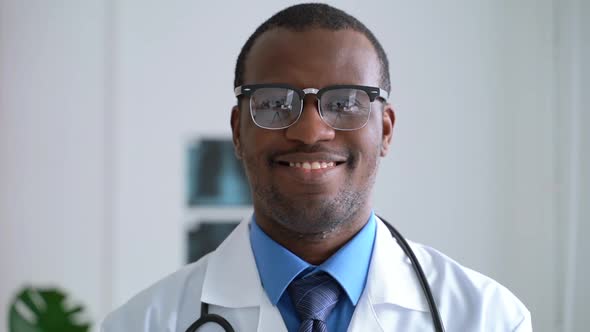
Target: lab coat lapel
(232, 280)
(364, 317)
(270, 319)
(390, 280)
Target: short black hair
(313, 15)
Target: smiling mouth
(310, 165)
(312, 162)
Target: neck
(314, 248)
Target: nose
(310, 128)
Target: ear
(235, 128)
(388, 123)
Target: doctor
(310, 125)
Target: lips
(310, 173)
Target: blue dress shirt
(278, 266)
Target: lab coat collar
(231, 279)
(391, 277)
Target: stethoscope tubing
(401, 241)
(206, 317)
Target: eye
(346, 106)
(274, 99)
(279, 104)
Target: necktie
(314, 298)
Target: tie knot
(314, 296)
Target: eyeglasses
(342, 107)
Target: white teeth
(307, 165)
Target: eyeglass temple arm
(238, 91)
(383, 94)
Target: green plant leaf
(45, 310)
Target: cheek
(248, 134)
(375, 137)
(254, 168)
(370, 150)
(257, 144)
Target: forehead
(312, 58)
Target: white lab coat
(228, 280)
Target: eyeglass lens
(344, 108)
(275, 107)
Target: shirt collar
(278, 266)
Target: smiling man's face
(309, 178)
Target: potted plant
(45, 310)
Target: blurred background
(105, 105)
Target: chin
(311, 217)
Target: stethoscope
(206, 317)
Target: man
(310, 125)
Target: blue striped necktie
(314, 298)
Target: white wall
(580, 319)
(51, 150)
(572, 121)
(122, 86)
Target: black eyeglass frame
(372, 92)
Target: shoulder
(459, 289)
(157, 308)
